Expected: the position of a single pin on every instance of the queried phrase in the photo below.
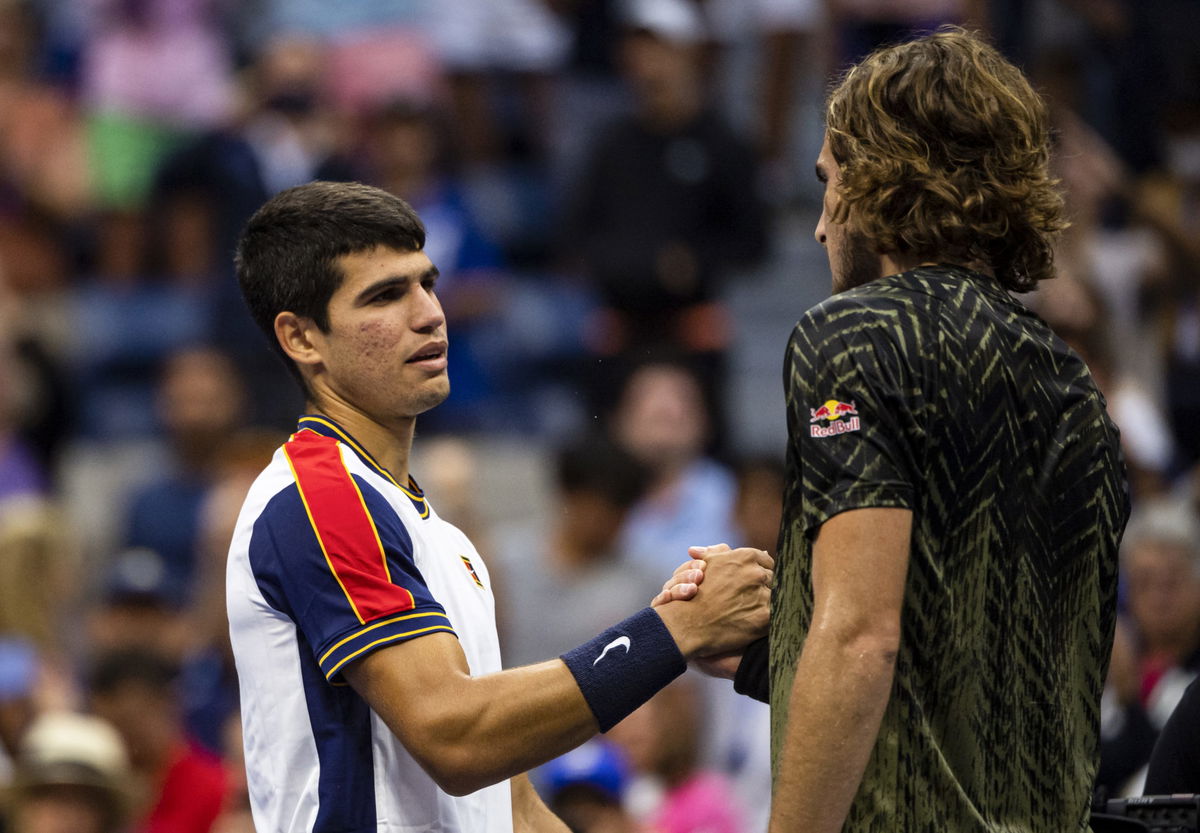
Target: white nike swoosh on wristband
(619, 642)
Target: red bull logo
(838, 418)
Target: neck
(894, 264)
(390, 444)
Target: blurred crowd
(595, 176)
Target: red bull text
(839, 418)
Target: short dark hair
(114, 669)
(593, 464)
(286, 258)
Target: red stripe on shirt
(344, 528)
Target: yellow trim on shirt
(391, 638)
(379, 624)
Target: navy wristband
(625, 666)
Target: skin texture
(468, 732)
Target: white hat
(64, 748)
(1165, 519)
(677, 21)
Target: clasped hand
(732, 608)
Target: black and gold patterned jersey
(936, 391)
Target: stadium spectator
(1077, 313)
(1158, 654)
(139, 608)
(20, 472)
(182, 788)
(670, 793)
(785, 41)
(18, 679)
(576, 560)
(40, 594)
(208, 678)
(586, 786)
(152, 73)
(114, 356)
(666, 209)
(72, 776)
(865, 25)
(200, 404)
(662, 420)
(43, 154)
(484, 43)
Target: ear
(298, 335)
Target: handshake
(717, 603)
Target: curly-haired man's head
(937, 150)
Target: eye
(386, 296)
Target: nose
(819, 233)
(429, 315)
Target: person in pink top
(670, 793)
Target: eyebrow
(431, 273)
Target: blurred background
(620, 198)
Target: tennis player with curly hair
(947, 569)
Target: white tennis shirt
(332, 559)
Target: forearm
(481, 730)
(841, 690)
(471, 731)
(530, 813)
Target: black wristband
(625, 666)
(753, 677)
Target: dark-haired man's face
(853, 261)
(385, 352)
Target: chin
(432, 397)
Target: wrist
(625, 666)
(678, 623)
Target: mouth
(431, 356)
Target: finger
(701, 552)
(661, 599)
(694, 564)
(683, 592)
(760, 557)
(692, 576)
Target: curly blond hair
(943, 150)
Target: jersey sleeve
(334, 556)
(854, 408)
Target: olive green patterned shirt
(934, 390)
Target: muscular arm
(468, 732)
(844, 675)
(530, 813)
